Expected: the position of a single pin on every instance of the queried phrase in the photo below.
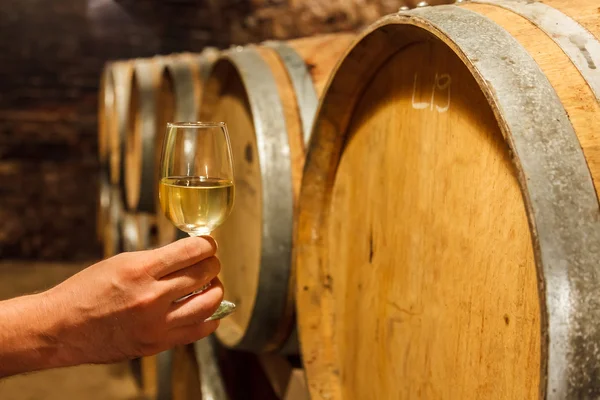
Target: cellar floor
(90, 382)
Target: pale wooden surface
(93, 382)
(429, 246)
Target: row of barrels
(417, 208)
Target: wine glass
(196, 188)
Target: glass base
(225, 308)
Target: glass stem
(200, 232)
(226, 307)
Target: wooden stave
(267, 330)
(558, 385)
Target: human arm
(117, 309)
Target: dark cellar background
(51, 56)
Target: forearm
(29, 338)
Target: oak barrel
(267, 94)
(105, 105)
(119, 79)
(138, 181)
(113, 102)
(179, 100)
(448, 239)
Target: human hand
(123, 307)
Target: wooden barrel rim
(207, 57)
(559, 196)
(211, 381)
(144, 76)
(178, 77)
(185, 91)
(186, 99)
(120, 75)
(577, 42)
(308, 102)
(187, 72)
(275, 166)
(304, 88)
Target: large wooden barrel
(448, 241)
(105, 105)
(112, 117)
(120, 73)
(179, 100)
(267, 95)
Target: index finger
(181, 254)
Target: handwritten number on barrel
(440, 89)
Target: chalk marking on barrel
(417, 106)
(441, 82)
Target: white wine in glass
(196, 189)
